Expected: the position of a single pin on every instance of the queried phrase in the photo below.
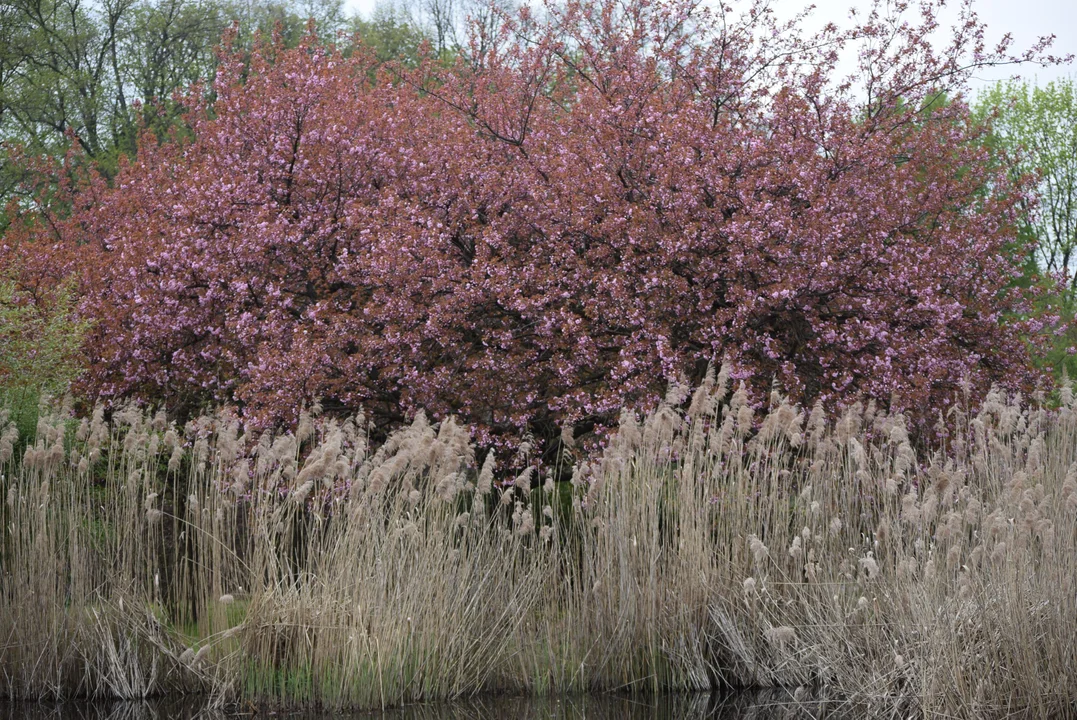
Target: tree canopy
(606, 198)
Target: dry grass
(693, 553)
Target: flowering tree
(590, 204)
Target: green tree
(95, 72)
(287, 19)
(40, 341)
(390, 35)
(1037, 129)
(165, 46)
(78, 66)
(61, 73)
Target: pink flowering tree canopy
(598, 199)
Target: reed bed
(764, 705)
(708, 545)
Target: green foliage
(1034, 133)
(71, 67)
(39, 346)
(39, 342)
(390, 36)
(287, 20)
(55, 71)
(168, 46)
(1036, 128)
(96, 74)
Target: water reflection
(765, 705)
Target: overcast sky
(1025, 19)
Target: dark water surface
(769, 705)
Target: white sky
(1025, 19)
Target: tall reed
(707, 546)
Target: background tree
(457, 26)
(62, 75)
(390, 35)
(287, 19)
(77, 66)
(167, 46)
(1034, 130)
(98, 72)
(1037, 127)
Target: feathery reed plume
(700, 547)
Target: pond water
(768, 705)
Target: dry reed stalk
(702, 548)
